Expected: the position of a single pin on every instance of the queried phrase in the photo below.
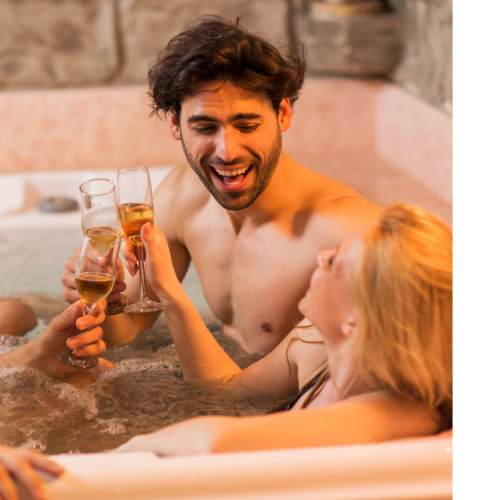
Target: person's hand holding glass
(94, 279)
(99, 210)
(135, 204)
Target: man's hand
(19, 464)
(68, 278)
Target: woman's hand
(195, 436)
(19, 464)
(158, 264)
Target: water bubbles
(9, 343)
(145, 392)
(33, 444)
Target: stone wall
(61, 43)
(78, 43)
(426, 66)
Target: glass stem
(142, 273)
(91, 309)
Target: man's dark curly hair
(214, 49)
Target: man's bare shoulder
(333, 208)
(179, 196)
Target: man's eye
(331, 260)
(248, 128)
(204, 130)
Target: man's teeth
(231, 173)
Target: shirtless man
(255, 223)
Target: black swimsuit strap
(290, 404)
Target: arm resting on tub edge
(369, 418)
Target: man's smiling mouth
(232, 176)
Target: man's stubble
(263, 174)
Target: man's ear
(175, 128)
(285, 114)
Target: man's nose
(227, 146)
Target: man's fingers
(96, 317)
(92, 350)
(86, 337)
(68, 317)
(119, 287)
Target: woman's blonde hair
(403, 289)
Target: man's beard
(238, 200)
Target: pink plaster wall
(416, 137)
(95, 128)
(370, 134)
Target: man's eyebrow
(201, 118)
(244, 116)
(239, 116)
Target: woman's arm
(20, 464)
(368, 418)
(62, 331)
(200, 355)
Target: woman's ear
(175, 128)
(348, 328)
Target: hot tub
(370, 134)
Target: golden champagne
(103, 242)
(133, 216)
(94, 287)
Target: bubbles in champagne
(102, 217)
(133, 216)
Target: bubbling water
(146, 391)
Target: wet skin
(254, 260)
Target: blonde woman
(376, 366)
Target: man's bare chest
(253, 283)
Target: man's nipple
(267, 327)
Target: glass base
(144, 306)
(71, 359)
(117, 306)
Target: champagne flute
(94, 281)
(99, 210)
(135, 204)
